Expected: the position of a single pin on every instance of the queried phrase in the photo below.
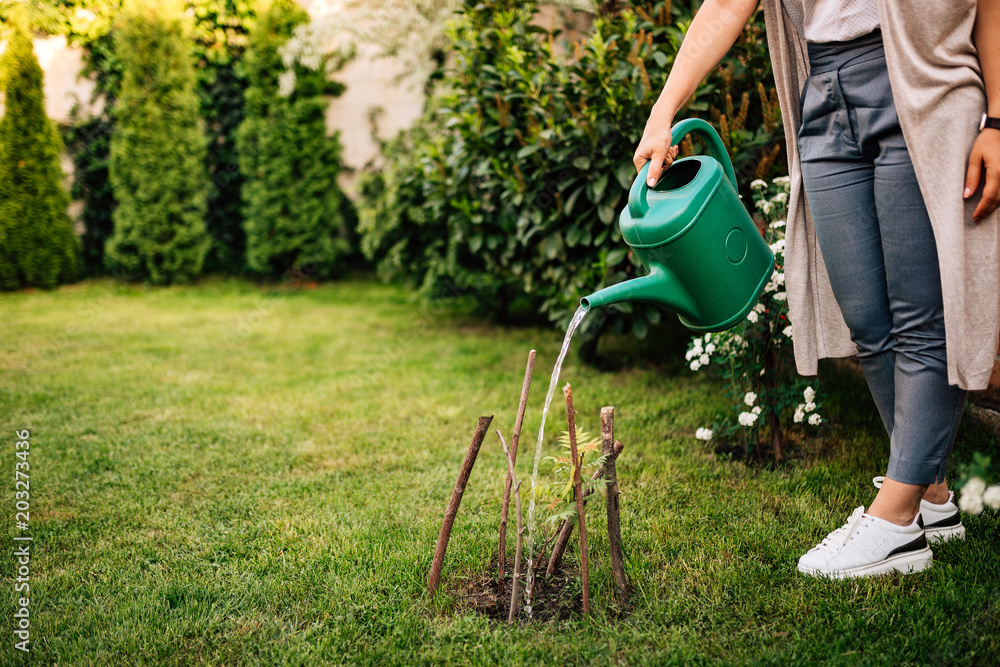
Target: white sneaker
(942, 522)
(867, 546)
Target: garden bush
(512, 188)
(292, 205)
(157, 167)
(37, 243)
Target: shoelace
(836, 540)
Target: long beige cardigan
(938, 89)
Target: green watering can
(706, 259)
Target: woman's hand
(985, 157)
(654, 147)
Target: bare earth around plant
(236, 474)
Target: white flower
(756, 410)
(809, 407)
(787, 331)
(692, 353)
(752, 316)
(780, 296)
(782, 180)
(710, 348)
(747, 418)
(799, 414)
(695, 365)
(777, 224)
(704, 360)
(992, 496)
(764, 206)
(708, 337)
(770, 286)
(781, 197)
(975, 487)
(778, 278)
(778, 246)
(757, 184)
(311, 61)
(750, 398)
(286, 83)
(703, 434)
(760, 308)
(815, 419)
(809, 394)
(969, 503)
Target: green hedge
(511, 188)
(292, 205)
(37, 243)
(158, 149)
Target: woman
(892, 246)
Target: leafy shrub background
(37, 243)
(293, 207)
(157, 166)
(512, 187)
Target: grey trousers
(879, 249)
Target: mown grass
(230, 474)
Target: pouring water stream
(553, 381)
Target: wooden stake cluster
(515, 437)
(456, 500)
(610, 448)
(578, 490)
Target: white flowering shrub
(975, 493)
(756, 355)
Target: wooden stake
(566, 527)
(456, 499)
(525, 386)
(608, 448)
(515, 589)
(578, 491)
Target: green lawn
(228, 474)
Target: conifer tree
(37, 243)
(292, 206)
(158, 149)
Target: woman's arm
(713, 31)
(986, 151)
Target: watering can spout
(657, 288)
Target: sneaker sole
(938, 535)
(906, 563)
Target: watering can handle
(637, 195)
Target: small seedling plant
(558, 496)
